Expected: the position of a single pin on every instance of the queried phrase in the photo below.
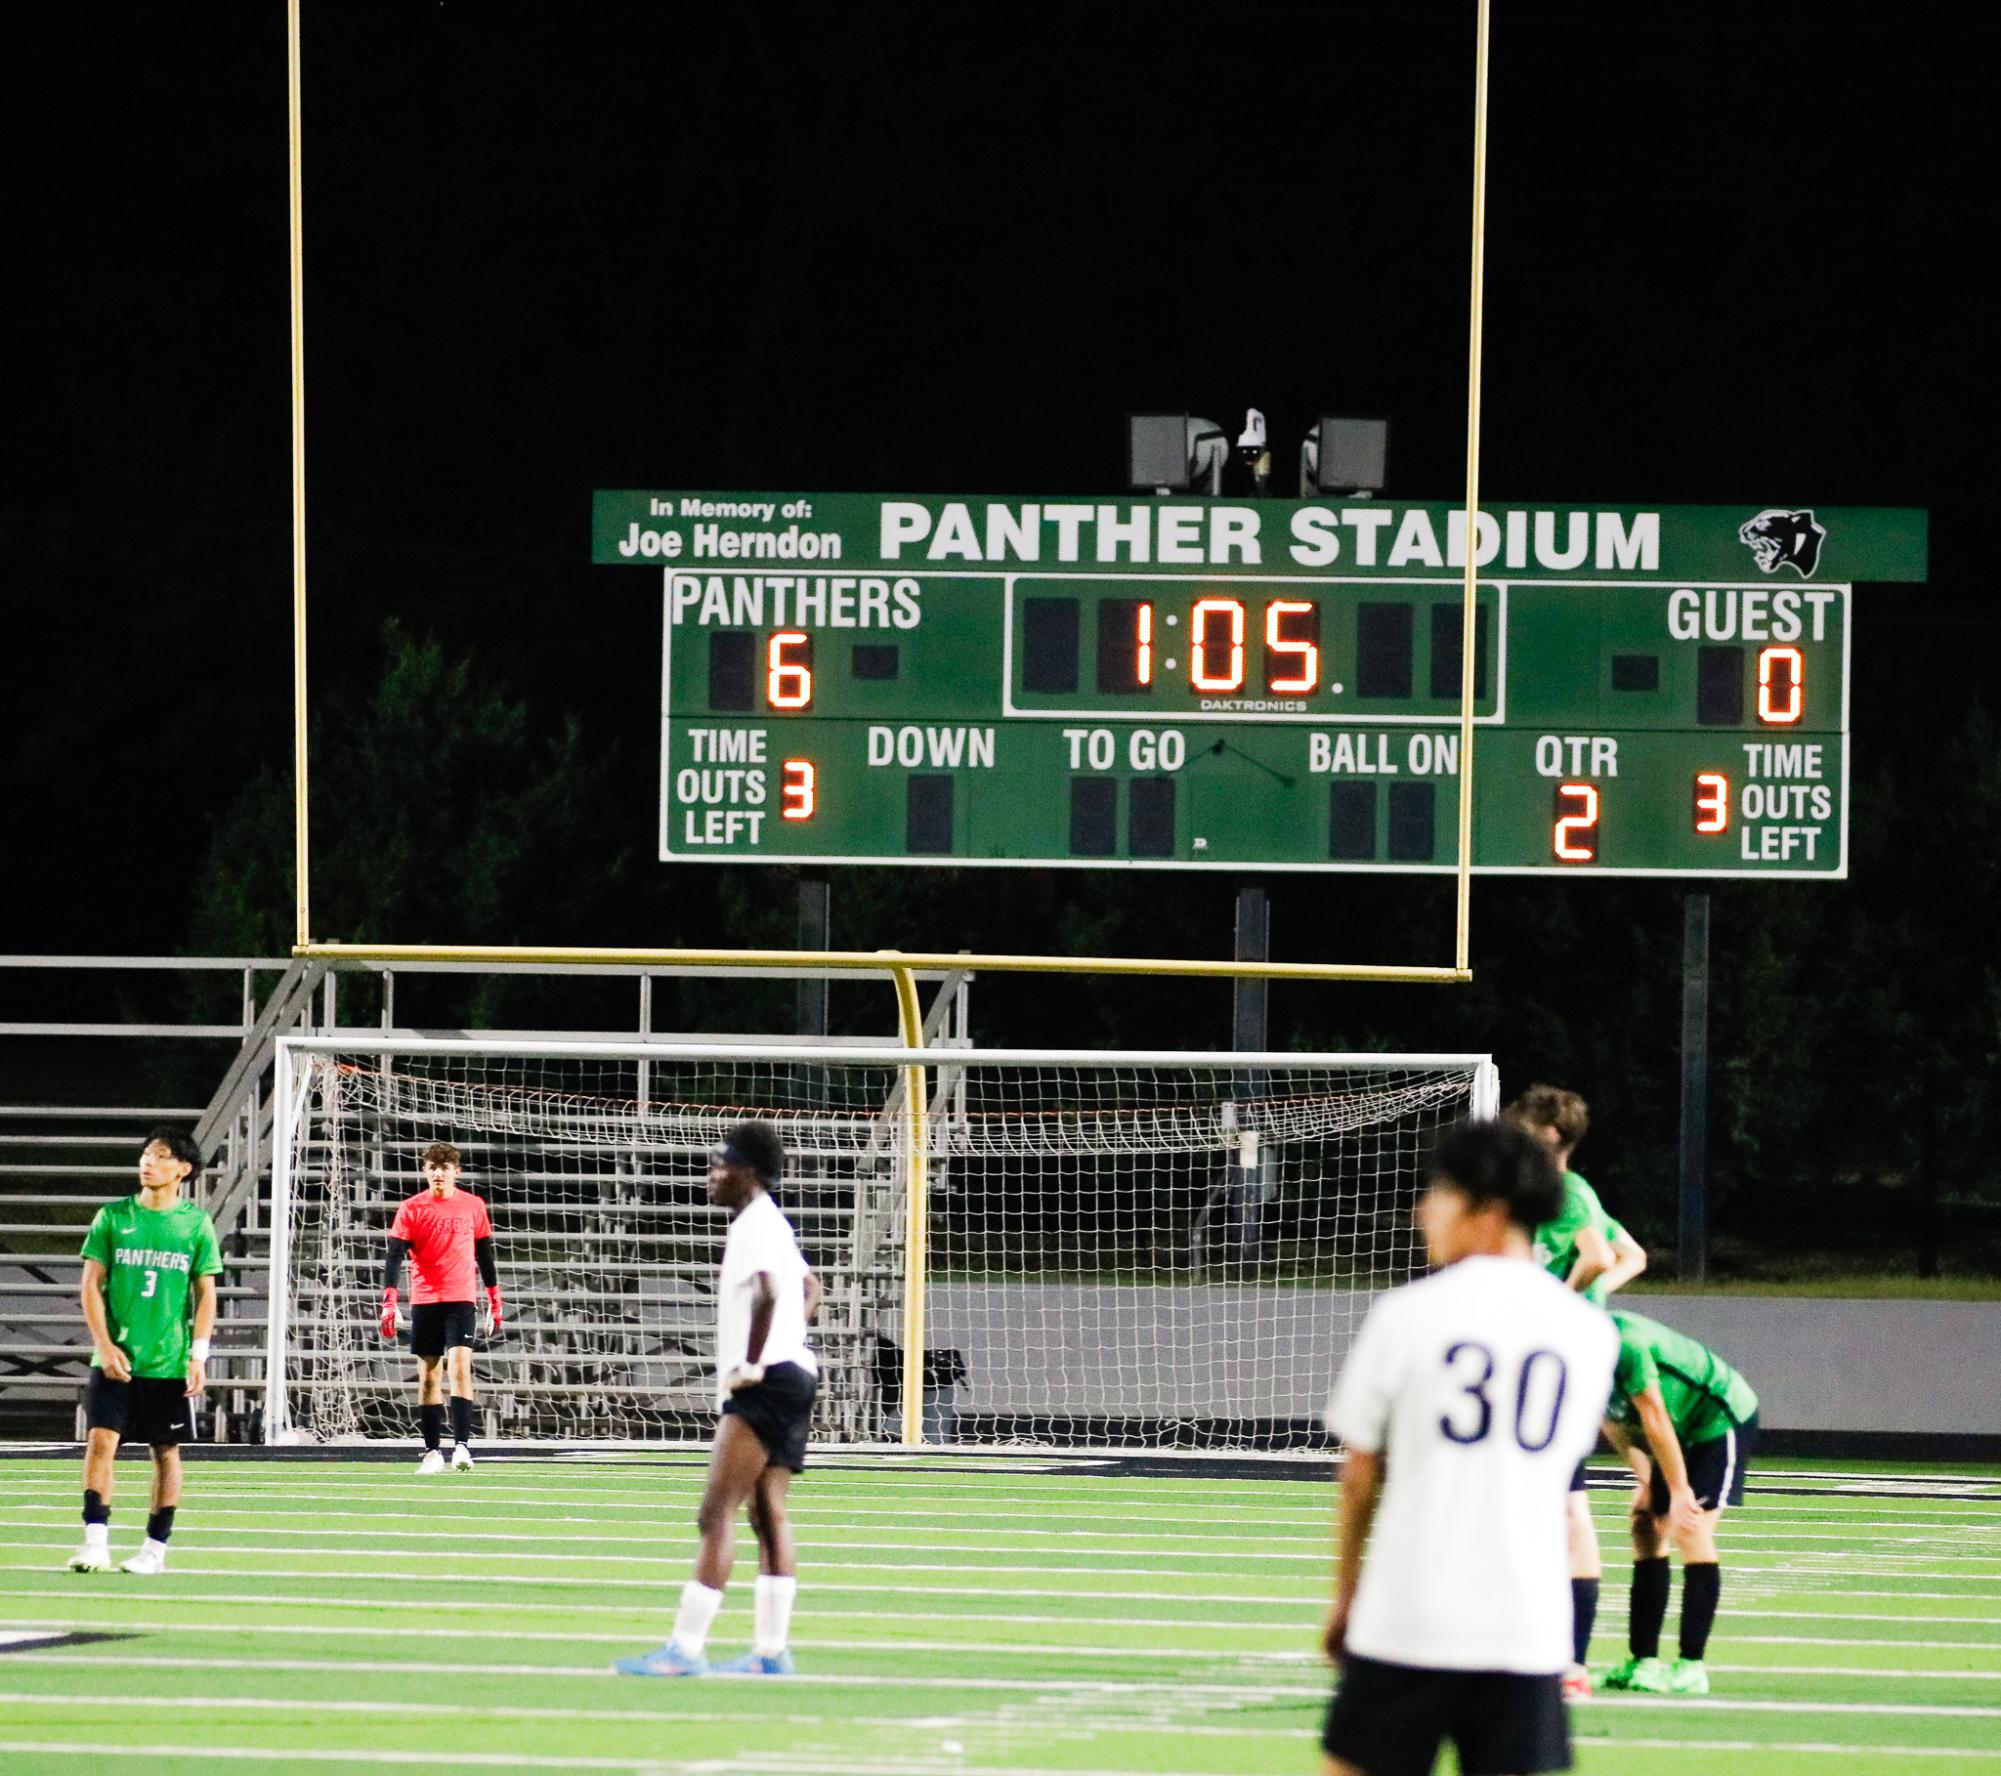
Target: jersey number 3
(1539, 1390)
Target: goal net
(1155, 1249)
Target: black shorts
(1391, 1719)
(1577, 1479)
(779, 1409)
(1715, 1469)
(435, 1326)
(143, 1410)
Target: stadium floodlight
(1171, 452)
(1346, 456)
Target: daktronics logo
(1252, 706)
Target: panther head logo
(1781, 538)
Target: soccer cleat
(92, 1557)
(1688, 1677)
(433, 1462)
(1649, 1675)
(461, 1459)
(1577, 1684)
(151, 1559)
(663, 1661)
(761, 1665)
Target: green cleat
(1688, 1677)
(1650, 1675)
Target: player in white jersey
(766, 1376)
(1465, 1404)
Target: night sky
(903, 248)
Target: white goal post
(1113, 1248)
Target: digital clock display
(1278, 685)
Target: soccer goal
(1156, 1249)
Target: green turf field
(954, 1616)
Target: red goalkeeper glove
(493, 1304)
(388, 1320)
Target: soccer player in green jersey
(150, 1261)
(1584, 1248)
(1685, 1421)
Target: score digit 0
(1575, 835)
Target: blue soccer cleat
(761, 1665)
(663, 1661)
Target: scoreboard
(1268, 685)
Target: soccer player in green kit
(1587, 1250)
(150, 1261)
(1685, 1421)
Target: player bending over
(766, 1376)
(146, 1258)
(1685, 1421)
(1586, 1250)
(1464, 1405)
(447, 1234)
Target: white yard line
(118, 1659)
(754, 1764)
(1800, 1748)
(674, 1568)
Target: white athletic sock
(774, 1614)
(97, 1535)
(149, 1546)
(696, 1616)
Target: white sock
(696, 1616)
(774, 1597)
(151, 1546)
(97, 1535)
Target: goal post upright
(917, 1203)
(288, 1103)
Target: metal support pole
(1928, 1176)
(1250, 998)
(814, 926)
(1693, 1244)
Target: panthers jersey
(151, 1258)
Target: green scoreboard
(1267, 685)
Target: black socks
(1700, 1587)
(461, 1421)
(95, 1510)
(433, 1420)
(1648, 1608)
(1583, 1617)
(160, 1524)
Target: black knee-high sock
(433, 1421)
(1583, 1616)
(95, 1510)
(160, 1524)
(461, 1421)
(1648, 1609)
(1701, 1586)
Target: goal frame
(292, 1080)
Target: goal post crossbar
(881, 962)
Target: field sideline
(956, 1617)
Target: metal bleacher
(60, 1162)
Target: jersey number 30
(1539, 1392)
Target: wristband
(200, 1349)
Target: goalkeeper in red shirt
(446, 1232)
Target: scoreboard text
(1264, 685)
